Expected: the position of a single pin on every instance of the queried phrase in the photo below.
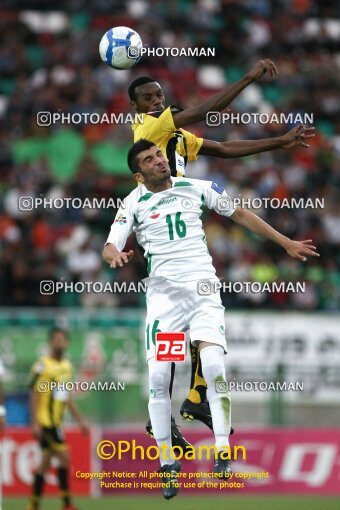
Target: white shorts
(175, 307)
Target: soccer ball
(120, 47)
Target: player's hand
(301, 249)
(36, 430)
(121, 259)
(2, 423)
(297, 136)
(263, 67)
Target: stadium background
(49, 62)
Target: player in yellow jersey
(164, 127)
(47, 411)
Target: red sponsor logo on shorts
(170, 346)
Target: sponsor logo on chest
(166, 201)
(155, 212)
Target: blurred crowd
(49, 61)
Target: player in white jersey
(164, 213)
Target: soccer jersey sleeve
(121, 228)
(216, 198)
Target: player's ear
(133, 105)
(138, 177)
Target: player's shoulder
(205, 186)
(41, 364)
(138, 121)
(157, 117)
(187, 182)
(67, 364)
(144, 119)
(133, 197)
(182, 182)
(171, 109)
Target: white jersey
(168, 227)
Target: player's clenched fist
(262, 67)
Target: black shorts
(52, 438)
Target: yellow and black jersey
(178, 145)
(51, 400)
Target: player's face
(154, 167)
(149, 98)
(58, 344)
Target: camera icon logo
(47, 287)
(25, 204)
(133, 52)
(224, 203)
(44, 119)
(221, 386)
(42, 386)
(204, 288)
(213, 119)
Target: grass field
(190, 503)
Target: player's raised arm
(296, 249)
(220, 101)
(297, 136)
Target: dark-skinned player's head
(148, 163)
(146, 95)
(58, 339)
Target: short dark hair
(55, 330)
(137, 83)
(140, 146)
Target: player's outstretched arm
(296, 249)
(114, 257)
(220, 101)
(297, 136)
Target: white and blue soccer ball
(120, 47)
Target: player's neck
(157, 188)
(57, 357)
